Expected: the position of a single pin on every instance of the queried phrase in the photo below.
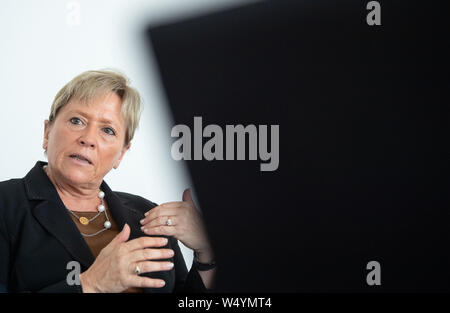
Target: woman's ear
(122, 153)
(46, 134)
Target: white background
(42, 47)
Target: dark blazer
(38, 238)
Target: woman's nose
(88, 138)
(85, 142)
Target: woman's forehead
(106, 106)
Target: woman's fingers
(134, 280)
(161, 231)
(156, 222)
(150, 254)
(151, 266)
(145, 282)
(180, 219)
(161, 221)
(145, 242)
(165, 209)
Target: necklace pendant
(84, 220)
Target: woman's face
(85, 142)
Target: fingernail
(161, 283)
(142, 221)
(146, 213)
(143, 229)
(168, 266)
(171, 253)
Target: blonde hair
(90, 84)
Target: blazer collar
(122, 213)
(53, 215)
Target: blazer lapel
(55, 218)
(121, 213)
(53, 215)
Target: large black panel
(364, 149)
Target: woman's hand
(186, 225)
(114, 270)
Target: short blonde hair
(90, 84)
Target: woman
(63, 211)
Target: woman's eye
(75, 121)
(109, 131)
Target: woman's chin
(79, 176)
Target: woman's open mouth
(80, 158)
